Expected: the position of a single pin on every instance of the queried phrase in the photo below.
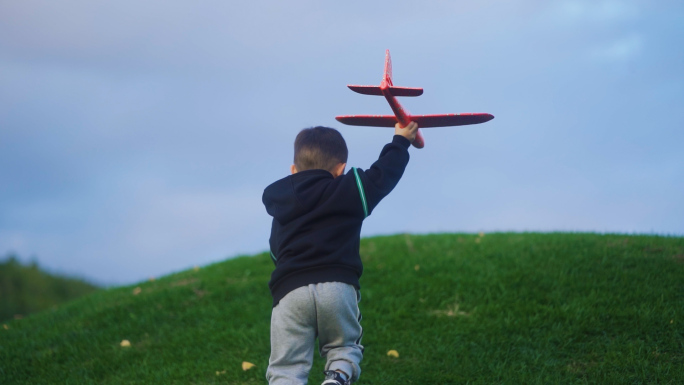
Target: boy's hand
(408, 132)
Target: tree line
(26, 289)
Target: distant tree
(25, 289)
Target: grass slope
(459, 308)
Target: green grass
(505, 308)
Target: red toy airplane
(389, 91)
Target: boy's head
(320, 148)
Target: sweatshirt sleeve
(384, 174)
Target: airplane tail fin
(396, 91)
(387, 76)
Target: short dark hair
(319, 148)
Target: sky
(136, 138)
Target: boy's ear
(339, 169)
(293, 169)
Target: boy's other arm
(384, 174)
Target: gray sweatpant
(328, 311)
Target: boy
(317, 215)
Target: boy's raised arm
(384, 174)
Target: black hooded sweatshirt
(317, 220)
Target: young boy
(317, 215)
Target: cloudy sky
(136, 138)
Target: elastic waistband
(307, 277)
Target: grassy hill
(458, 308)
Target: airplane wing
(445, 120)
(378, 121)
(440, 120)
(368, 120)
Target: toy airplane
(389, 91)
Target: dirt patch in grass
(653, 250)
(618, 243)
(579, 367)
(451, 311)
(184, 282)
(409, 243)
(199, 293)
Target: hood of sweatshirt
(296, 195)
